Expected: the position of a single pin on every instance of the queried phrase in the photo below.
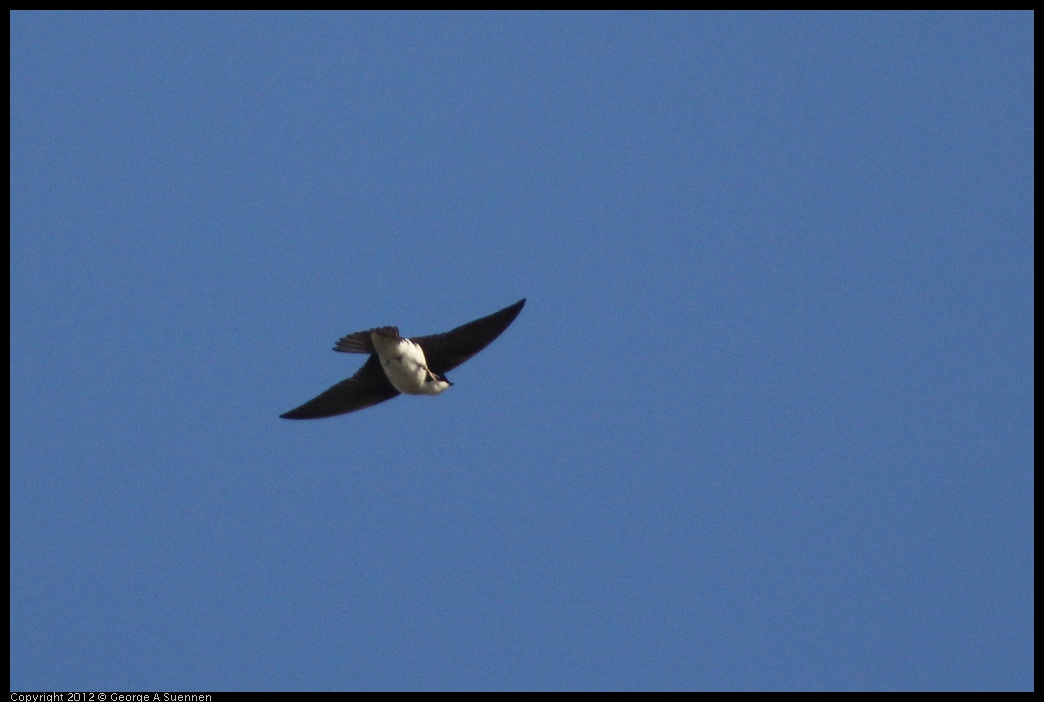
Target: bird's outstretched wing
(370, 386)
(444, 352)
(366, 388)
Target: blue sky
(766, 421)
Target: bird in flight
(416, 366)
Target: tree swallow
(396, 364)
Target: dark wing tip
(444, 352)
(368, 387)
(310, 411)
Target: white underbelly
(404, 364)
(405, 376)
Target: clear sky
(765, 422)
